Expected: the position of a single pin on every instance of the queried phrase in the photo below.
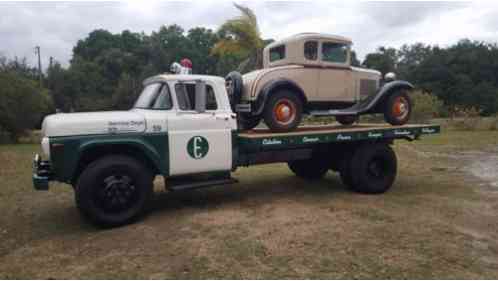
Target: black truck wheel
(345, 171)
(247, 121)
(346, 119)
(114, 190)
(398, 108)
(310, 169)
(373, 168)
(234, 85)
(283, 111)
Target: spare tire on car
(234, 86)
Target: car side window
(185, 94)
(334, 52)
(311, 50)
(277, 53)
(163, 99)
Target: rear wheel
(398, 108)
(114, 190)
(373, 168)
(283, 111)
(346, 119)
(345, 170)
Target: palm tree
(240, 38)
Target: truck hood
(93, 123)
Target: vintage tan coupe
(311, 73)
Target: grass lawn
(438, 221)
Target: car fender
(269, 88)
(384, 92)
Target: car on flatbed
(182, 127)
(311, 73)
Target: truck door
(199, 141)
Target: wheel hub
(284, 112)
(117, 192)
(400, 109)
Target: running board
(334, 112)
(356, 109)
(189, 183)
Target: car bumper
(42, 173)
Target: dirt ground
(440, 220)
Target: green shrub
(22, 104)
(425, 107)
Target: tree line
(106, 69)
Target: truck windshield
(154, 96)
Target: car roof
(309, 36)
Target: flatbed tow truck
(182, 127)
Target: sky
(57, 26)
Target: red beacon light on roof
(184, 67)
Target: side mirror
(200, 96)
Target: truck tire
(310, 169)
(373, 168)
(234, 85)
(346, 119)
(398, 108)
(114, 190)
(345, 170)
(247, 121)
(283, 111)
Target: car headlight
(45, 144)
(390, 76)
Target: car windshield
(154, 96)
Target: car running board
(356, 109)
(192, 183)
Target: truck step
(191, 182)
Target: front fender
(384, 92)
(154, 148)
(272, 85)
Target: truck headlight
(45, 144)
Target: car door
(336, 77)
(199, 141)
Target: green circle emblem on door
(197, 147)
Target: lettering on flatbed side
(271, 141)
(374, 135)
(401, 132)
(428, 130)
(342, 137)
(307, 139)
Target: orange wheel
(398, 109)
(284, 111)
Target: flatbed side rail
(265, 142)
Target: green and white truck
(182, 127)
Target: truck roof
(183, 77)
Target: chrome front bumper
(41, 173)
